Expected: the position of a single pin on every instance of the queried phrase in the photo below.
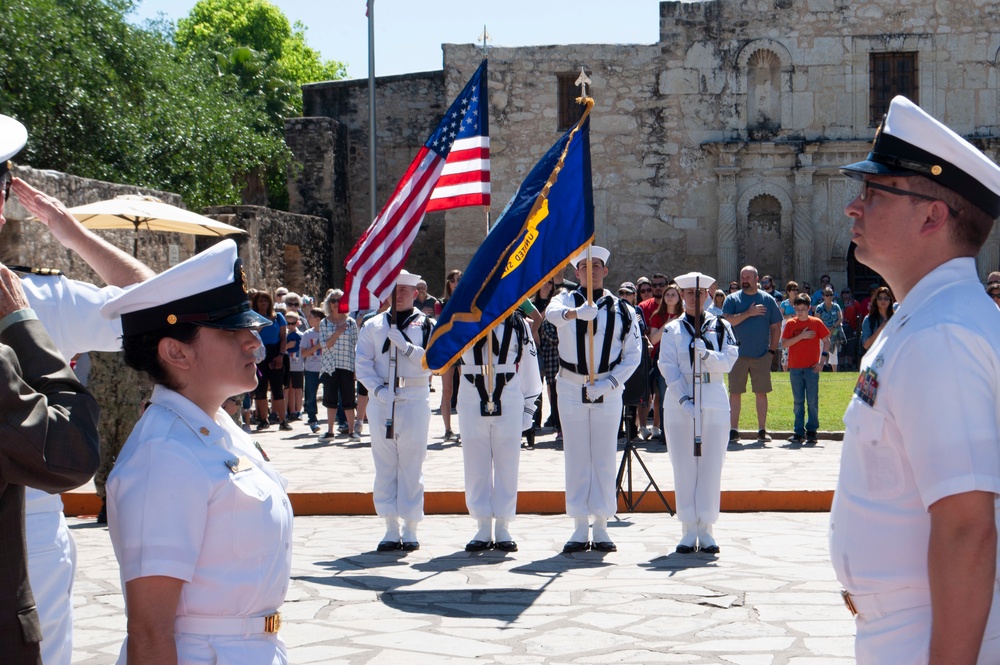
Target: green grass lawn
(835, 390)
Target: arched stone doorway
(860, 276)
(760, 239)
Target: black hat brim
(248, 319)
(859, 170)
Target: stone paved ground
(770, 598)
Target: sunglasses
(658, 285)
(645, 288)
(625, 293)
(867, 185)
(995, 296)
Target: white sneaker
(656, 432)
(644, 433)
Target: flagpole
(590, 327)
(489, 376)
(372, 175)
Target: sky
(409, 33)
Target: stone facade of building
(716, 146)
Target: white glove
(700, 348)
(599, 389)
(527, 421)
(586, 312)
(383, 394)
(689, 409)
(397, 340)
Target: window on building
(890, 74)
(569, 111)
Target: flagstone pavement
(769, 598)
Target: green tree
(104, 99)
(228, 27)
(252, 41)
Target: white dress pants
(51, 566)
(590, 442)
(491, 450)
(697, 480)
(399, 463)
(904, 637)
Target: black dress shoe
(506, 546)
(574, 546)
(409, 546)
(605, 546)
(477, 546)
(387, 546)
(711, 549)
(684, 549)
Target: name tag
(242, 463)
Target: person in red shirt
(658, 311)
(808, 342)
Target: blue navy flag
(550, 219)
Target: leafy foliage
(105, 99)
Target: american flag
(451, 170)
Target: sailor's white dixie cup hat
(910, 142)
(407, 279)
(209, 289)
(596, 253)
(691, 279)
(13, 136)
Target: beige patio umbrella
(131, 211)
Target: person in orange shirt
(808, 342)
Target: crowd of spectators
(308, 347)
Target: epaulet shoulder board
(44, 272)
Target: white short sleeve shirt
(923, 424)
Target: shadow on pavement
(675, 562)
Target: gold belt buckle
(272, 623)
(846, 595)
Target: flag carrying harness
(607, 304)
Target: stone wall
(318, 184)
(718, 145)
(281, 248)
(407, 109)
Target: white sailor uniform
(590, 430)
(399, 480)
(71, 313)
(192, 498)
(491, 440)
(922, 425)
(697, 480)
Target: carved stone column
(804, 238)
(726, 245)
